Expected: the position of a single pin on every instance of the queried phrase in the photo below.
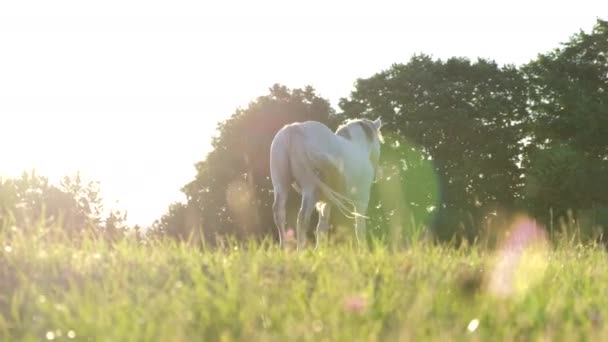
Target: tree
(453, 137)
(180, 222)
(567, 159)
(232, 193)
(463, 141)
(73, 206)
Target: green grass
(164, 291)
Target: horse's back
(312, 136)
(310, 128)
(320, 138)
(333, 154)
(346, 162)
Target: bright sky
(129, 92)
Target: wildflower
(355, 304)
(290, 235)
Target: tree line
(467, 144)
(73, 207)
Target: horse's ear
(378, 123)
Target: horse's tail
(308, 162)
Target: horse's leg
(279, 213)
(323, 224)
(306, 208)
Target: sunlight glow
(521, 260)
(473, 325)
(129, 92)
(422, 188)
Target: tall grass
(53, 288)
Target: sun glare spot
(521, 261)
(410, 194)
(473, 325)
(71, 334)
(241, 199)
(50, 335)
(8, 248)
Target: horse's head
(365, 133)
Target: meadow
(55, 288)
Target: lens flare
(521, 260)
(409, 189)
(473, 325)
(240, 197)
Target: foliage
(181, 221)
(567, 158)
(73, 206)
(231, 193)
(453, 132)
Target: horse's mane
(366, 125)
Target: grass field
(164, 291)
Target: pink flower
(289, 235)
(355, 304)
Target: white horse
(327, 169)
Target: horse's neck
(355, 149)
